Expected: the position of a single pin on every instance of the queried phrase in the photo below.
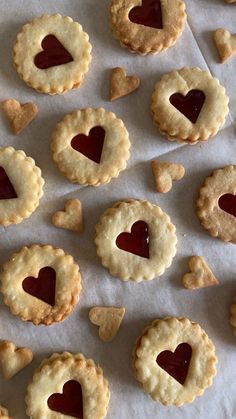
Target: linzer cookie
(68, 385)
(189, 105)
(147, 26)
(216, 204)
(135, 240)
(41, 284)
(174, 360)
(21, 186)
(52, 54)
(90, 146)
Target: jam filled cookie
(67, 385)
(174, 361)
(135, 240)
(90, 146)
(147, 26)
(189, 105)
(21, 186)
(216, 205)
(52, 54)
(41, 284)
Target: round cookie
(189, 105)
(135, 240)
(52, 54)
(174, 360)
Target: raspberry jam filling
(227, 203)
(149, 14)
(53, 54)
(90, 145)
(70, 402)
(176, 363)
(137, 241)
(43, 287)
(7, 190)
(189, 105)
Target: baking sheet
(145, 301)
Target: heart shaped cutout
(53, 54)
(176, 363)
(149, 14)
(43, 287)
(70, 402)
(90, 145)
(189, 105)
(227, 203)
(137, 241)
(7, 190)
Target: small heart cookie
(122, 85)
(13, 360)
(71, 218)
(108, 319)
(164, 173)
(20, 115)
(225, 44)
(200, 276)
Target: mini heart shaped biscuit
(13, 360)
(200, 276)
(122, 85)
(108, 319)
(20, 115)
(71, 218)
(225, 44)
(164, 173)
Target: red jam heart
(7, 190)
(90, 146)
(70, 402)
(53, 54)
(176, 364)
(42, 287)
(137, 241)
(227, 203)
(189, 105)
(149, 14)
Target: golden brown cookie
(174, 360)
(20, 115)
(71, 218)
(68, 385)
(225, 44)
(12, 359)
(121, 84)
(108, 319)
(200, 275)
(164, 173)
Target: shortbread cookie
(189, 105)
(21, 186)
(52, 54)
(200, 275)
(216, 204)
(121, 84)
(90, 146)
(174, 360)
(135, 240)
(13, 360)
(164, 173)
(147, 26)
(68, 385)
(20, 115)
(225, 44)
(4, 413)
(71, 218)
(41, 284)
(108, 319)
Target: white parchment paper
(145, 301)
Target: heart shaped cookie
(13, 360)
(200, 276)
(71, 218)
(108, 319)
(225, 44)
(121, 84)
(164, 173)
(20, 115)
